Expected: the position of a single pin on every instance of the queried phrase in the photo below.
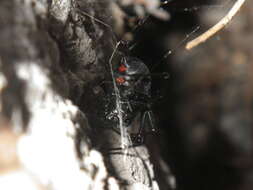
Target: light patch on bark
(47, 151)
(59, 9)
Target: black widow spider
(133, 80)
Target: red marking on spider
(122, 68)
(120, 80)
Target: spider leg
(146, 120)
(138, 138)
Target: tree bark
(54, 56)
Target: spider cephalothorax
(132, 77)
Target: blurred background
(205, 110)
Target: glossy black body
(134, 96)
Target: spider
(133, 80)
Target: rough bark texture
(52, 53)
